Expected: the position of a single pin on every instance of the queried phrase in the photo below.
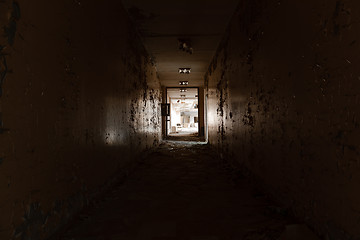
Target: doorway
(184, 112)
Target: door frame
(166, 101)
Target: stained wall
(79, 103)
(283, 102)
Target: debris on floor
(181, 192)
(298, 232)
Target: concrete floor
(181, 191)
(192, 137)
(185, 131)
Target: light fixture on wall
(183, 90)
(184, 70)
(183, 83)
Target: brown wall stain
(79, 101)
(283, 94)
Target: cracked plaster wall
(79, 102)
(284, 94)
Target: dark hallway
(263, 144)
(175, 194)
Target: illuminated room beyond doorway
(184, 113)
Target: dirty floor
(193, 137)
(181, 192)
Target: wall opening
(184, 112)
(185, 120)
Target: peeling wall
(79, 101)
(284, 92)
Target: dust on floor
(181, 191)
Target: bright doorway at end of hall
(184, 112)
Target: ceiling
(162, 22)
(189, 94)
(185, 105)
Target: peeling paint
(3, 69)
(82, 103)
(283, 95)
(11, 28)
(9, 32)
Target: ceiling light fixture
(183, 90)
(185, 45)
(184, 70)
(183, 83)
(183, 96)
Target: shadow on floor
(185, 137)
(182, 191)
